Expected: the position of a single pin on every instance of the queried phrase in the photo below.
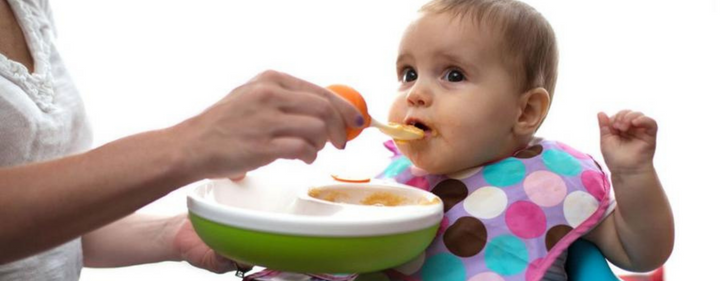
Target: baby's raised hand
(627, 141)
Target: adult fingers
(304, 103)
(291, 148)
(220, 264)
(238, 177)
(313, 130)
(243, 267)
(351, 116)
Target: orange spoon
(396, 131)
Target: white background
(144, 65)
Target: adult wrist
(171, 229)
(185, 160)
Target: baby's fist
(627, 140)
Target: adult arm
(142, 238)
(272, 116)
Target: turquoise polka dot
(397, 167)
(561, 162)
(444, 266)
(506, 255)
(505, 173)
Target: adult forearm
(273, 116)
(135, 239)
(46, 204)
(643, 218)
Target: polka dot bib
(508, 220)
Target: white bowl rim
(400, 219)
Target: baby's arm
(639, 234)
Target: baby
(478, 77)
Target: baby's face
(454, 85)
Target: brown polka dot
(466, 237)
(451, 192)
(530, 152)
(555, 234)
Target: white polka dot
(409, 268)
(486, 202)
(464, 173)
(579, 206)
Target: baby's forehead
(444, 39)
(443, 33)
(518, 35)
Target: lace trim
(37, 85)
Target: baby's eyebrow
(403, 57)
(455, 59)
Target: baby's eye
(409, 75)
(454, 76)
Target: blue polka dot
(444, 266)
(505, 173)
(561, 162)
(397, 167)
(506, 255)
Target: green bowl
(260, 222)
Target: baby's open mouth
(429, 132)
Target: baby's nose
(419, 97)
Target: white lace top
(41, 118)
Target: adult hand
(627, 141)
(190, 248)
(273, 116)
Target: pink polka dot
(595, 183)
(415, 171)
(525, 219)
(419, 182)
(444, 223)
(532, 270)
(487, 276)
(573, 152)
(545, 188)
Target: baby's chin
(422, 158)
(432, 167)
(444, 166)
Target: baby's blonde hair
(527, 41)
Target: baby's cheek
(437, 161)
(397, 111)
(462, 155)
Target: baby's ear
(534, 105)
